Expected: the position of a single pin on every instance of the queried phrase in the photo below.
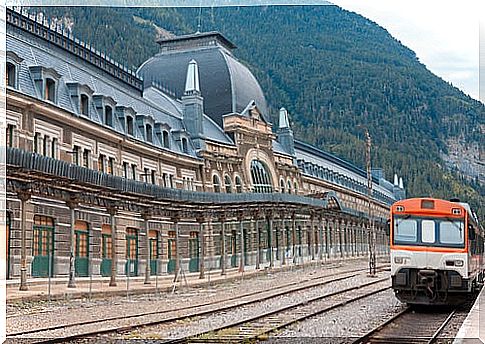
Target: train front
(429, 258)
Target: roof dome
(225, 83)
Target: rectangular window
(427, 231)
(36, 142)
(75, 154)
(133, 171)
(86, 154)
(405, 231)
(111, 165)
(146, 174)
(54, 148)
(125, 169)
(165, 180)
(10, 132)
(153, 176)
(101, 162)
(45, 146)
(452, 232)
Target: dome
(225, 83)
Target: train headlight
(458, 262)
(400, 260)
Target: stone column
(293, 237)
(320, 236)
(340, 237)
(312, 237)
(24, 197)
(223, 245)
(146, 219)
(72, 204)
(114, 242)
(177, 247)
(241, 233)
(284, 242)
(270, 241)
(201, 248)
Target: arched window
(50, 90)
(217, 183)
(149, 131)
(84, 105)
(228, 184)
(166, 139)
(238, 185)
(289, 187)
(260, 177)
(11, 75)
(185, 146)
(282, 186)
(295, 187)
(108, 115)
(129, 125)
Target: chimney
(285, 134)
(193, 105)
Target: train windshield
(418, 231)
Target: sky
(443, 33)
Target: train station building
(173, 166)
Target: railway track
(410, 327)
(259, 327)
(110, 325)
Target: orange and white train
(437, 251)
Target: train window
(405, 231)
(427, 231)
(451, 232)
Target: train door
(106, 247)
(43, 246)
(171, 251)
(131, 252)
(233, 249)
(194, 251)
(154, 251)
(81, 248)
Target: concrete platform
(98, 287)
(473, 328)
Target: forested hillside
(335, 71)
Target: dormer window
(108, 116)
(129, 125)
(166, 139)
(185, 146)
(50, 90)
(149, 133)
(11, 75)
(84, 105)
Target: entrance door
(131, 252)
(154, 252)
(106, 247)
(43, 246)
(194, 252)
(172, 252)
(81, 248)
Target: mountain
(336, 72)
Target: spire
(284, 122)
(401, 184)
(396, 180)
(192, 81)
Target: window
(260, 177)
(86, 154)
(101, 161)
(452, 232)
(75, 154)
(133, 171)
(295, 187)
(50, 90)
(154, 176)
(171, 181)
(129, 125)
(166, 139)
(228, 184)
(149, 132)
(125, 169)
(282, 186)
(10, 133)
(165, 180)
(84, 106)
(289, 187)
(405, 230)
(45, 145)
(185, 147)
(108, 115)
(217, 183)
(238, 184)
(36, 142)
(54, 148)
(427, 231)
(111, 166)
(11, 75)
(146, 174)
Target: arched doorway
(81, 248)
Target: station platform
(98, 287)
(472, 330)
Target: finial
(396, 180)
(401, 184)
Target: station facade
(176, 165)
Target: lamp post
(372, 237)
